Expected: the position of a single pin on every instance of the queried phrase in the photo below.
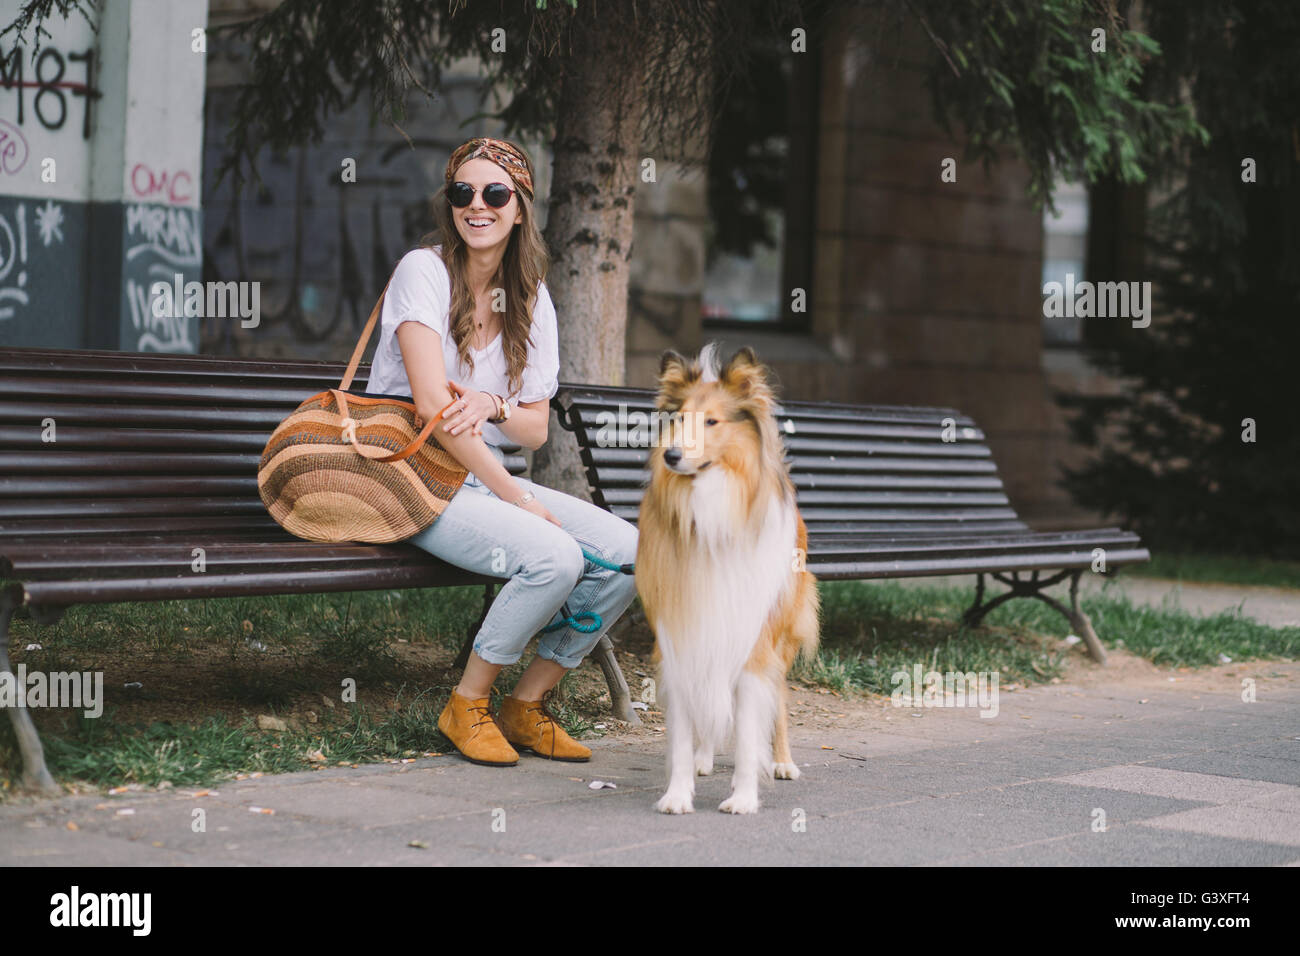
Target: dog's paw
(672, 802)
(740, 803)
(786, 771)
(703, 764)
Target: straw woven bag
(347, 466)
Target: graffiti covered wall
(45, 129)
(100, 153)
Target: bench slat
(31, 413)
(605, 429)
(71, 363)
(164, 393)
(602, 458)
(26, 529)
(586, 400)
(980, 521)
(71, 436)
(123, 507)
(118, 559)
(833, 536)
(637, 477)
(1037, 561)
(106, 562)
(433, 574)
(810, 499)
(50, 462)
(121, 486)
(1033, 541)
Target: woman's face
(478, 173)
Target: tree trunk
(589, 224)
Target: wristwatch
(503, 411)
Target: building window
(761, 189)
(1065, 252)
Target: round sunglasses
(495, 195)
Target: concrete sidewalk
(1184, 772)
(1277, 607)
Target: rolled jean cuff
(568, 663)
(504, 660)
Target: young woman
(471, 320)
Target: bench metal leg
(36, 776)
(1082, 624)
(1033, 587)
(619, 694)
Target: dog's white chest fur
(732, 579)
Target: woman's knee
(559, 559)
(619, 542)
(628, 541)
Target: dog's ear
(745, 356)
(670, 358)
(675, 377)
(746, 377)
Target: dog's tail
(807, 625)
(807, 622)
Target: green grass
(268, 649)
(102, 753)
(870, 631)
(1220, 569)
(353, 628)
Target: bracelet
(501, 415)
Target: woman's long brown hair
(522, 267)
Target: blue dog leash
(608, 565)
(590, 615)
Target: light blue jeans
(549, 579)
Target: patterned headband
(506, 155)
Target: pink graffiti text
(13, 148)
(171, 186)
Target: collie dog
(720, 572)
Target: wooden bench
(122, 472)
(119, 470)
(886, 491)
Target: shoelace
(544, 706)
(546, 718)
(543, 714)
(487, 716)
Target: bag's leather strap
(374, 454)
(365, 338)
(350, 423)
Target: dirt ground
(203, 683)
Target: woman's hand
(539, 509)
(472, 408)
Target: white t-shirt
(420, 291)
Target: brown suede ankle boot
(469, 725)
(529, 726)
